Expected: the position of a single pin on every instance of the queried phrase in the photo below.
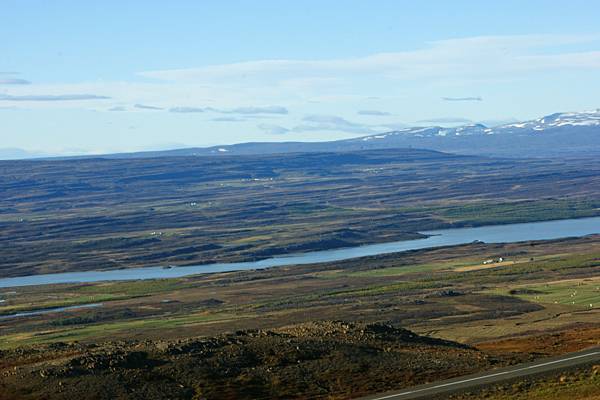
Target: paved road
(496, 376)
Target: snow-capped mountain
(586, 118)
(568, 134)
(559, 134)
(557, 120)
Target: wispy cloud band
(374, 113)
(477, 98)
(14, 81)
(147, 107)
(50, 97)
(466, 58)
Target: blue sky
(93, 77)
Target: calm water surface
(448, 237)
(48, 311)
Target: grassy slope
(428, 290)
(580, 384)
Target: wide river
(447, 237)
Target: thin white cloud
(447, 120)
(395, 126)
(50, 97)
(14, 81)
(273, 129)
(468, 58)
(186, 110)
(147, 107)
(466, 63)
(258, 110)
(228, 119)
(331, 123)
(477, 98)
(249, 111)
(374, 113)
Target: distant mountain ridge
(565, 134)
(553, 121)
(11, 153)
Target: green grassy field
(120, 328)
(581, 293)
(507, 313)
(447, 291)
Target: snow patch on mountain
(557, 120)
